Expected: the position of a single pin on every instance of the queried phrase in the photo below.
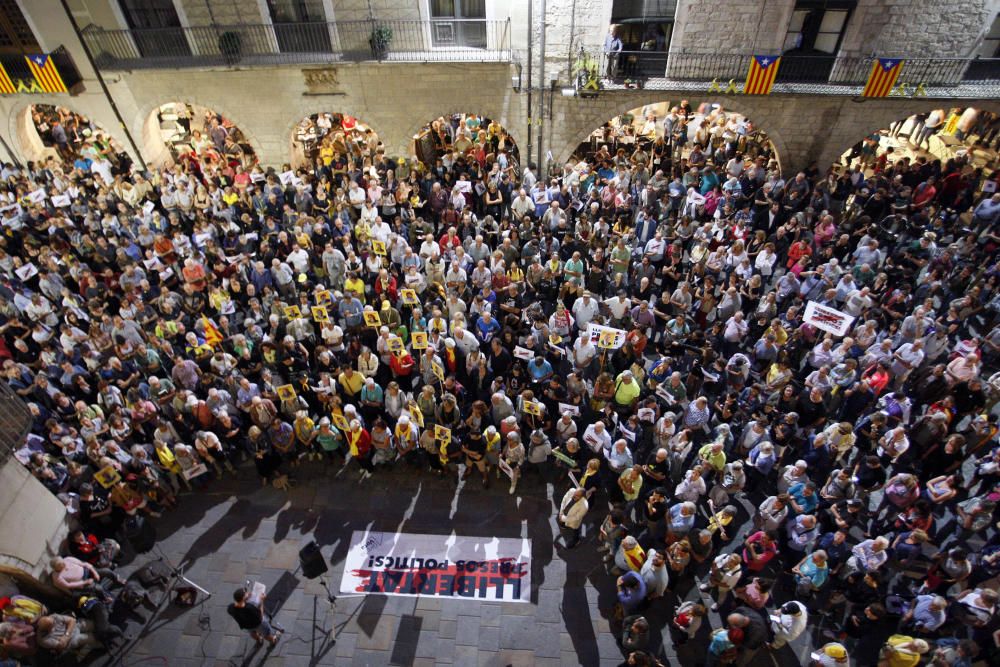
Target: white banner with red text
(442, 566)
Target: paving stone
(491, 615)
(489, 639)
(466, 656)
(448, 629)
(467, 631)
(517, 632)
(382, 636)
(346, 643)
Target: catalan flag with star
(6, 85)
(883, 77)
(44, 70)
(761, 75)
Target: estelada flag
(44, 70)
(6, 85)
(212, 335)
(761, 75)
(883, 77)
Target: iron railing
(438, 40)
(808, 69)
(15, 422)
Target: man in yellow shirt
(351, 382)
(626, 390)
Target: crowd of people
(632, 330)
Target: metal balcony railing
(438, 40)
(15, 422)
(794, 69)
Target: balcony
(802, 74)
(449, 40)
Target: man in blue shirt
(487, 326)
(540, 370)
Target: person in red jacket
(386, 286)
(450, 240)
(359, 443)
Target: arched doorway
(467, 136)
(178, 131)
(709, 130)
(968, 135)
(48, 131)
(336, 141)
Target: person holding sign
(359, 445)
(513, 456)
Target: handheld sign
(408, 297)
(607, 340)
(286, 392)
(442, 433)
(566, 408)
(395, 345)
(419, 340)
(416, 414)
(378, 247)
(438, 371)
(340, 421)
(533, 408)
(523, 353)
(505, 467)
(292, 312)
(372, 319)
(107, 477)
(323, 297)
(320, 314)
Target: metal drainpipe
(541, 92)
(104, 86)
(527, 154)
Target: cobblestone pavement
(235, 530)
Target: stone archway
(580, 117)
(295, 150)
(880, 114)
(29, 143)
(515, 144)
(147, 128)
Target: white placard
(148, 207)
(827, 319)
(36, 197)
(523, 353)
(464, 186)
(505, 468)
(26, 271)
(286, 177)
(595, 331)
(566, 408)
(441, 566)
(62, 201)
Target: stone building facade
(397, 98)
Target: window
(816, 26)
(15, 33)
(990, 48)
(300, 26)
(458, 23)
(156, 28)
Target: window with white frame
(458, 23)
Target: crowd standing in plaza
(630, 330)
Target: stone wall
(222, 12)
(918, 28)
(709, 26)
(32, 520)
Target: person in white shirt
(585, 309)
(584, 351)
(597, 438)
(299, 259)
(788, 623)
(619, 305)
